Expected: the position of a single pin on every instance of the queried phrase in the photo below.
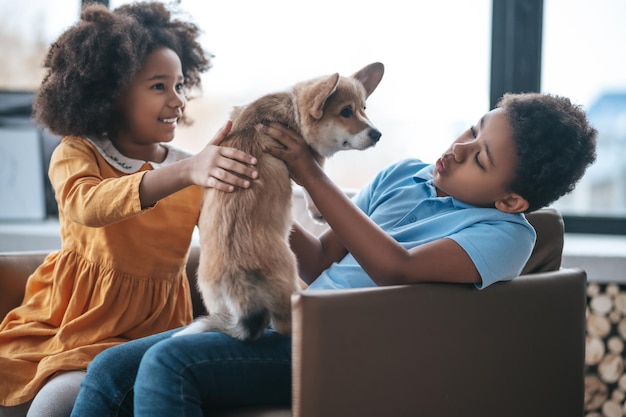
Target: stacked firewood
(605, 380)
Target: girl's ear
(512, 203)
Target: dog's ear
(236, 111)
(370, 76)
(317, 93)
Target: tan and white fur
(247, 271)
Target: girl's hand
(215, 165)
(294, 152)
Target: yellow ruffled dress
(120, 274)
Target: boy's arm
(383, 259)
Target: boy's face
(479, 166)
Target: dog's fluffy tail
(248, 328)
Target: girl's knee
(122, 360)
(111, 370)
(57, 397)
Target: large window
(583, 59)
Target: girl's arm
(382, 258)
(212, 167)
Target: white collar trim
(130, 165)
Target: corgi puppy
(246, 271)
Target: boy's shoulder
(408, 167)
(409, 163)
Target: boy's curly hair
(555, 145)
(93, 62)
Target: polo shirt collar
(424, 174)
(129, 165)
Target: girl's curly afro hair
(555, 144)
(91, 64)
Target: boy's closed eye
(477, 159)
(472, 131)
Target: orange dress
(120, 273)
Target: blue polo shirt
(402, 200)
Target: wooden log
(597, 325)
(615, 316)
(593, 289)
(601, 304)
(615, 345)
(621, 328)
(596, 392)
(612, 289)
(611, 368)
(621, 384)
(618, 396)
(620, 302)
(612, 409)
(594, 350)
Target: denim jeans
(186, 376)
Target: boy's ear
(512, 203)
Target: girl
(115, 88)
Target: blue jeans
(186, 376)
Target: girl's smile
(173, 121)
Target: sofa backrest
(548, 250)
(15, 267)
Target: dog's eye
(346, 112)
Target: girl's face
(479, 166)
(152, 106)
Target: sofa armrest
(442, 349)
(15, 268)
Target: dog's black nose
(375, 135)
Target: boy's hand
(294, 152)
(215, 165)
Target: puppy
(247, 272)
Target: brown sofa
(514, 349)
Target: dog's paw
(313, 211)
(197, 326)
(316, 215)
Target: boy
(521, 156)
(458, 220)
